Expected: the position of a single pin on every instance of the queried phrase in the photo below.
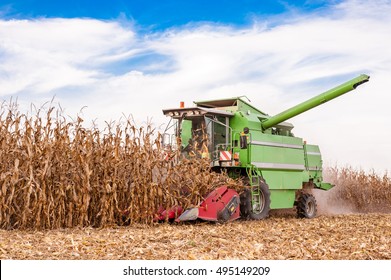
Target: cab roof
(229, 104)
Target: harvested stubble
(362, 237)
(55, 173)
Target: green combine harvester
(279, 168)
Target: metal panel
(274, 144)
(279, 166)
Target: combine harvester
(279, 168)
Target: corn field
(364, 191)
(55, 173)
(85, 183)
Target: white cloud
(39, 56)
(277, 63)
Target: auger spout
(315, 101)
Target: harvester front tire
(261, 209)
(306, 206)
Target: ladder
(254, 175)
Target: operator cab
(198, 130)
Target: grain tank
(278, 167)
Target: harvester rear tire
(260, 210)
(306, 206)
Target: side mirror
(166, 141)
(243, 141)
(243, 138)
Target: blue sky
(122, 58)
(158, 14)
